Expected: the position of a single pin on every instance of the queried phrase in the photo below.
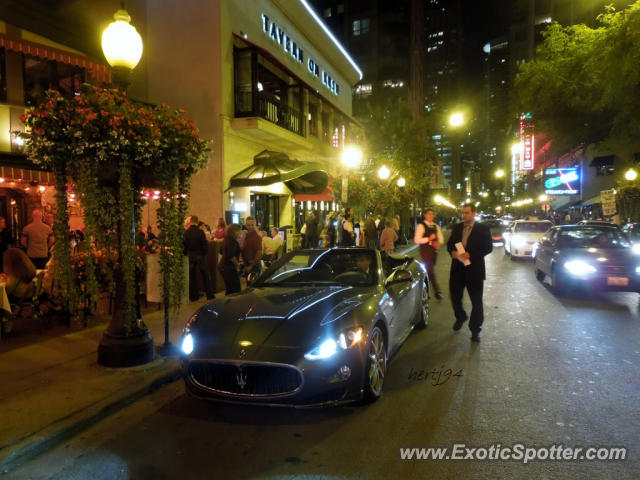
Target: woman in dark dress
(229, 264)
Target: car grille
(246, 379)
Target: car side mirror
(398, 276)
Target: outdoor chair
(32, 304)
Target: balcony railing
(271, 110)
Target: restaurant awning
(98, 71)
(272, 167)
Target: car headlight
(635, 248)
(350, 338)
(518, 241)
(187, 344)
(637, 269)
(326, 349)
(578, 267)
(329, 347)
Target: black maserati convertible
(316, 328)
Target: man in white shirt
(271, 245)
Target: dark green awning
(273, 167)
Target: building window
(263, 89)
(41, 75)
(360, 27)
(313, 119)
(340, 9)
(364, 90)
(327, 13)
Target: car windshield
(354, 267)
(532, 227)
(590, 237)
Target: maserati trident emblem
(241, 378)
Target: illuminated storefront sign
(292, 48)
(527, 142)
(562, 181)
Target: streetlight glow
(516, 148)
(121, 42)
(401, 182)
(456, 119)
(543, 198)
(499, 173)
(631, 174)
(384, 172)
(351, 157)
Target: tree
(396, 139)
(584, 84)
(109, 147)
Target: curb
(65, 428)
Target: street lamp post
(351, 158)
(122, 47)
(456, 120)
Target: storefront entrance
(265, 208)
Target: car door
(545, 251)
(400, 305)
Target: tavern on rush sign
(279, 36)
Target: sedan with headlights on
(523, 234)
(591, 257)
(316, 328)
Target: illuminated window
(364, 90)
(326, 13)
(360, 27)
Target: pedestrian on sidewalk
(6, 240)
(196, 247)
(468, 269)
(252, 248)
(229, 263)
(388, 238)
(429, 236)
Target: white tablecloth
(154, 291)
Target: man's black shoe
(458, 324)
(439, 296)
(475, 337)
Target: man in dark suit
(477, 242)
(196, 247)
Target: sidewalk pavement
(53, 390)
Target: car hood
(272, 317)
(623, 257)
(528, 236)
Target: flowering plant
(109, 147)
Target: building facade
(261, 77)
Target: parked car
(316, 328)
(522, 236)
(588, 256)
(496, 227)
(597, 223)
(633, 232)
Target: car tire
(425, 308)
(513, 259)
(507, 253)
(376, 366)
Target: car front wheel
(424, 309)
(376, 366)
(557, 283)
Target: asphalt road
(548, 372)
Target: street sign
(608, 199)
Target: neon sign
(527, 142)
(562, 181)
